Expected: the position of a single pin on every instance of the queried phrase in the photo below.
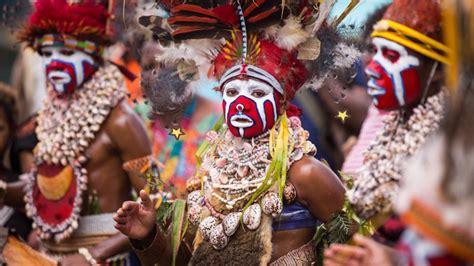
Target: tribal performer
(438, 209)
(404, 77)
(91, 147)
(259, 193)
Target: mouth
(374, 89)
(59, 77)
(241, 121)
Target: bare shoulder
(309, 170)
(127, 131)
(317, 186)
(121, 115)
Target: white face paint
(250, 107)
(66, 69)
(392, 73)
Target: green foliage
(177, 226)
(94, 207)
(341, 227)
(277, 170)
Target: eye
(45, 53)
(258, 93)
(372, 49)
(231, 92)
(391, 55)
(66, 52)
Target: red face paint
(394, 80)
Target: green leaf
(321, 232)
(179, 209)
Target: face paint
(67, 69)
(250, 107)
(394, 80)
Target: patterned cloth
(370, 129)
(178, 156)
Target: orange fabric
(133, 87)
(427, 222)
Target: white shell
(195, 198)
(194, 214)
(271, 204)
(252, 216)
(217, 238)
(206, 225)
(231, 223)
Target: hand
(365, 252)
(136, 220)
(76, 260)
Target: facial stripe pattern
(393, 80)
(246, 115)
(67, 72)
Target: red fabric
(54, 212)
(86, 20)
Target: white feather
(346, 55)
(291, 34)
(323, 14)
(199, 51)
(269, 33)
(150, 9)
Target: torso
(106, 176)
(288, 240)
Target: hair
(371, 21)
(8, 104)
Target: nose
(55, 65)
(240, 107)
(373, 70)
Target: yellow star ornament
(342, 116)
(177, 133)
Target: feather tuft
(291, 34)
(199, 51)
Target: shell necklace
(377, 185)
(232, 172)
(66, 127)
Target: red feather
(87, 19)
(190, 29)
(253, 6)
(192, 19)
(225, 14)
(263, 15)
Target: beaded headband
(412, 39)
(69, 42)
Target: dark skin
(122, 138)
(318, 188)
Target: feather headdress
(274, 41)
(84, 23)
